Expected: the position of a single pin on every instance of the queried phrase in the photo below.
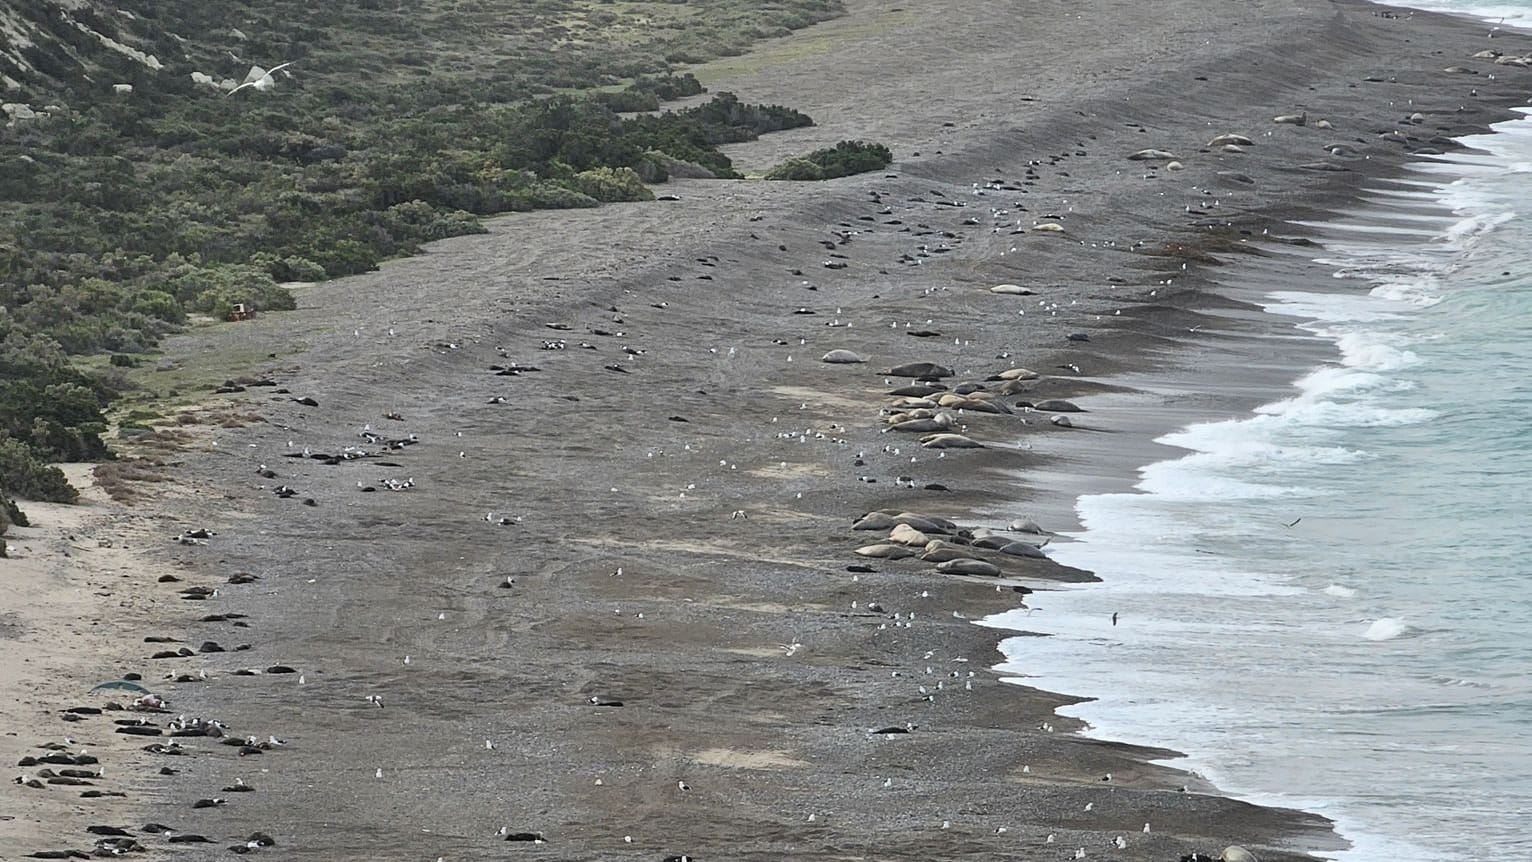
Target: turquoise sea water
(1372, 662)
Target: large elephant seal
(968, 567)
(884, 551)
(950, 441)
(904, 534)
(920, 370)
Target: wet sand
(625, 475)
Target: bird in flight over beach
(259, 78)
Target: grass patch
(121, 480)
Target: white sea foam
(1386, 629)
(1241, 569)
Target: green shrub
(23, 474)
(668, 88)
(159, 305)
(294, 268)
(797, 169)
(610, 185)
(843, 159)
(629, 100)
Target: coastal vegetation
(128, 208)
(842, 160)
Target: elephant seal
(920, 370)
(926, 425)
(1236, 853)
(842, 357)
(1023, 549)
(1058, 405)
(918, 390)
(938, 551)
(875, 521)
(884, 551)
(1152, 156)
(924, 523)
(982, 405)
(1231, 138)
(1011, 290)
(968, 567)
(904, 534)
(950, 441)
(1018, 374)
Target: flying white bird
(259, 78)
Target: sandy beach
(549, 532)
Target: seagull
(259, 78)
(683, 786)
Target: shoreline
(702, 675)
(1421, 223)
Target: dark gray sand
(657, 509)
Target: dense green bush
(797, 169)
(24, 475)
(668, 88)
(843, 159)
(610, 185)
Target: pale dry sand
(679, 531)
(72, 607)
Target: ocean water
(1371, 662)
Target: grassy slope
(123, 212)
